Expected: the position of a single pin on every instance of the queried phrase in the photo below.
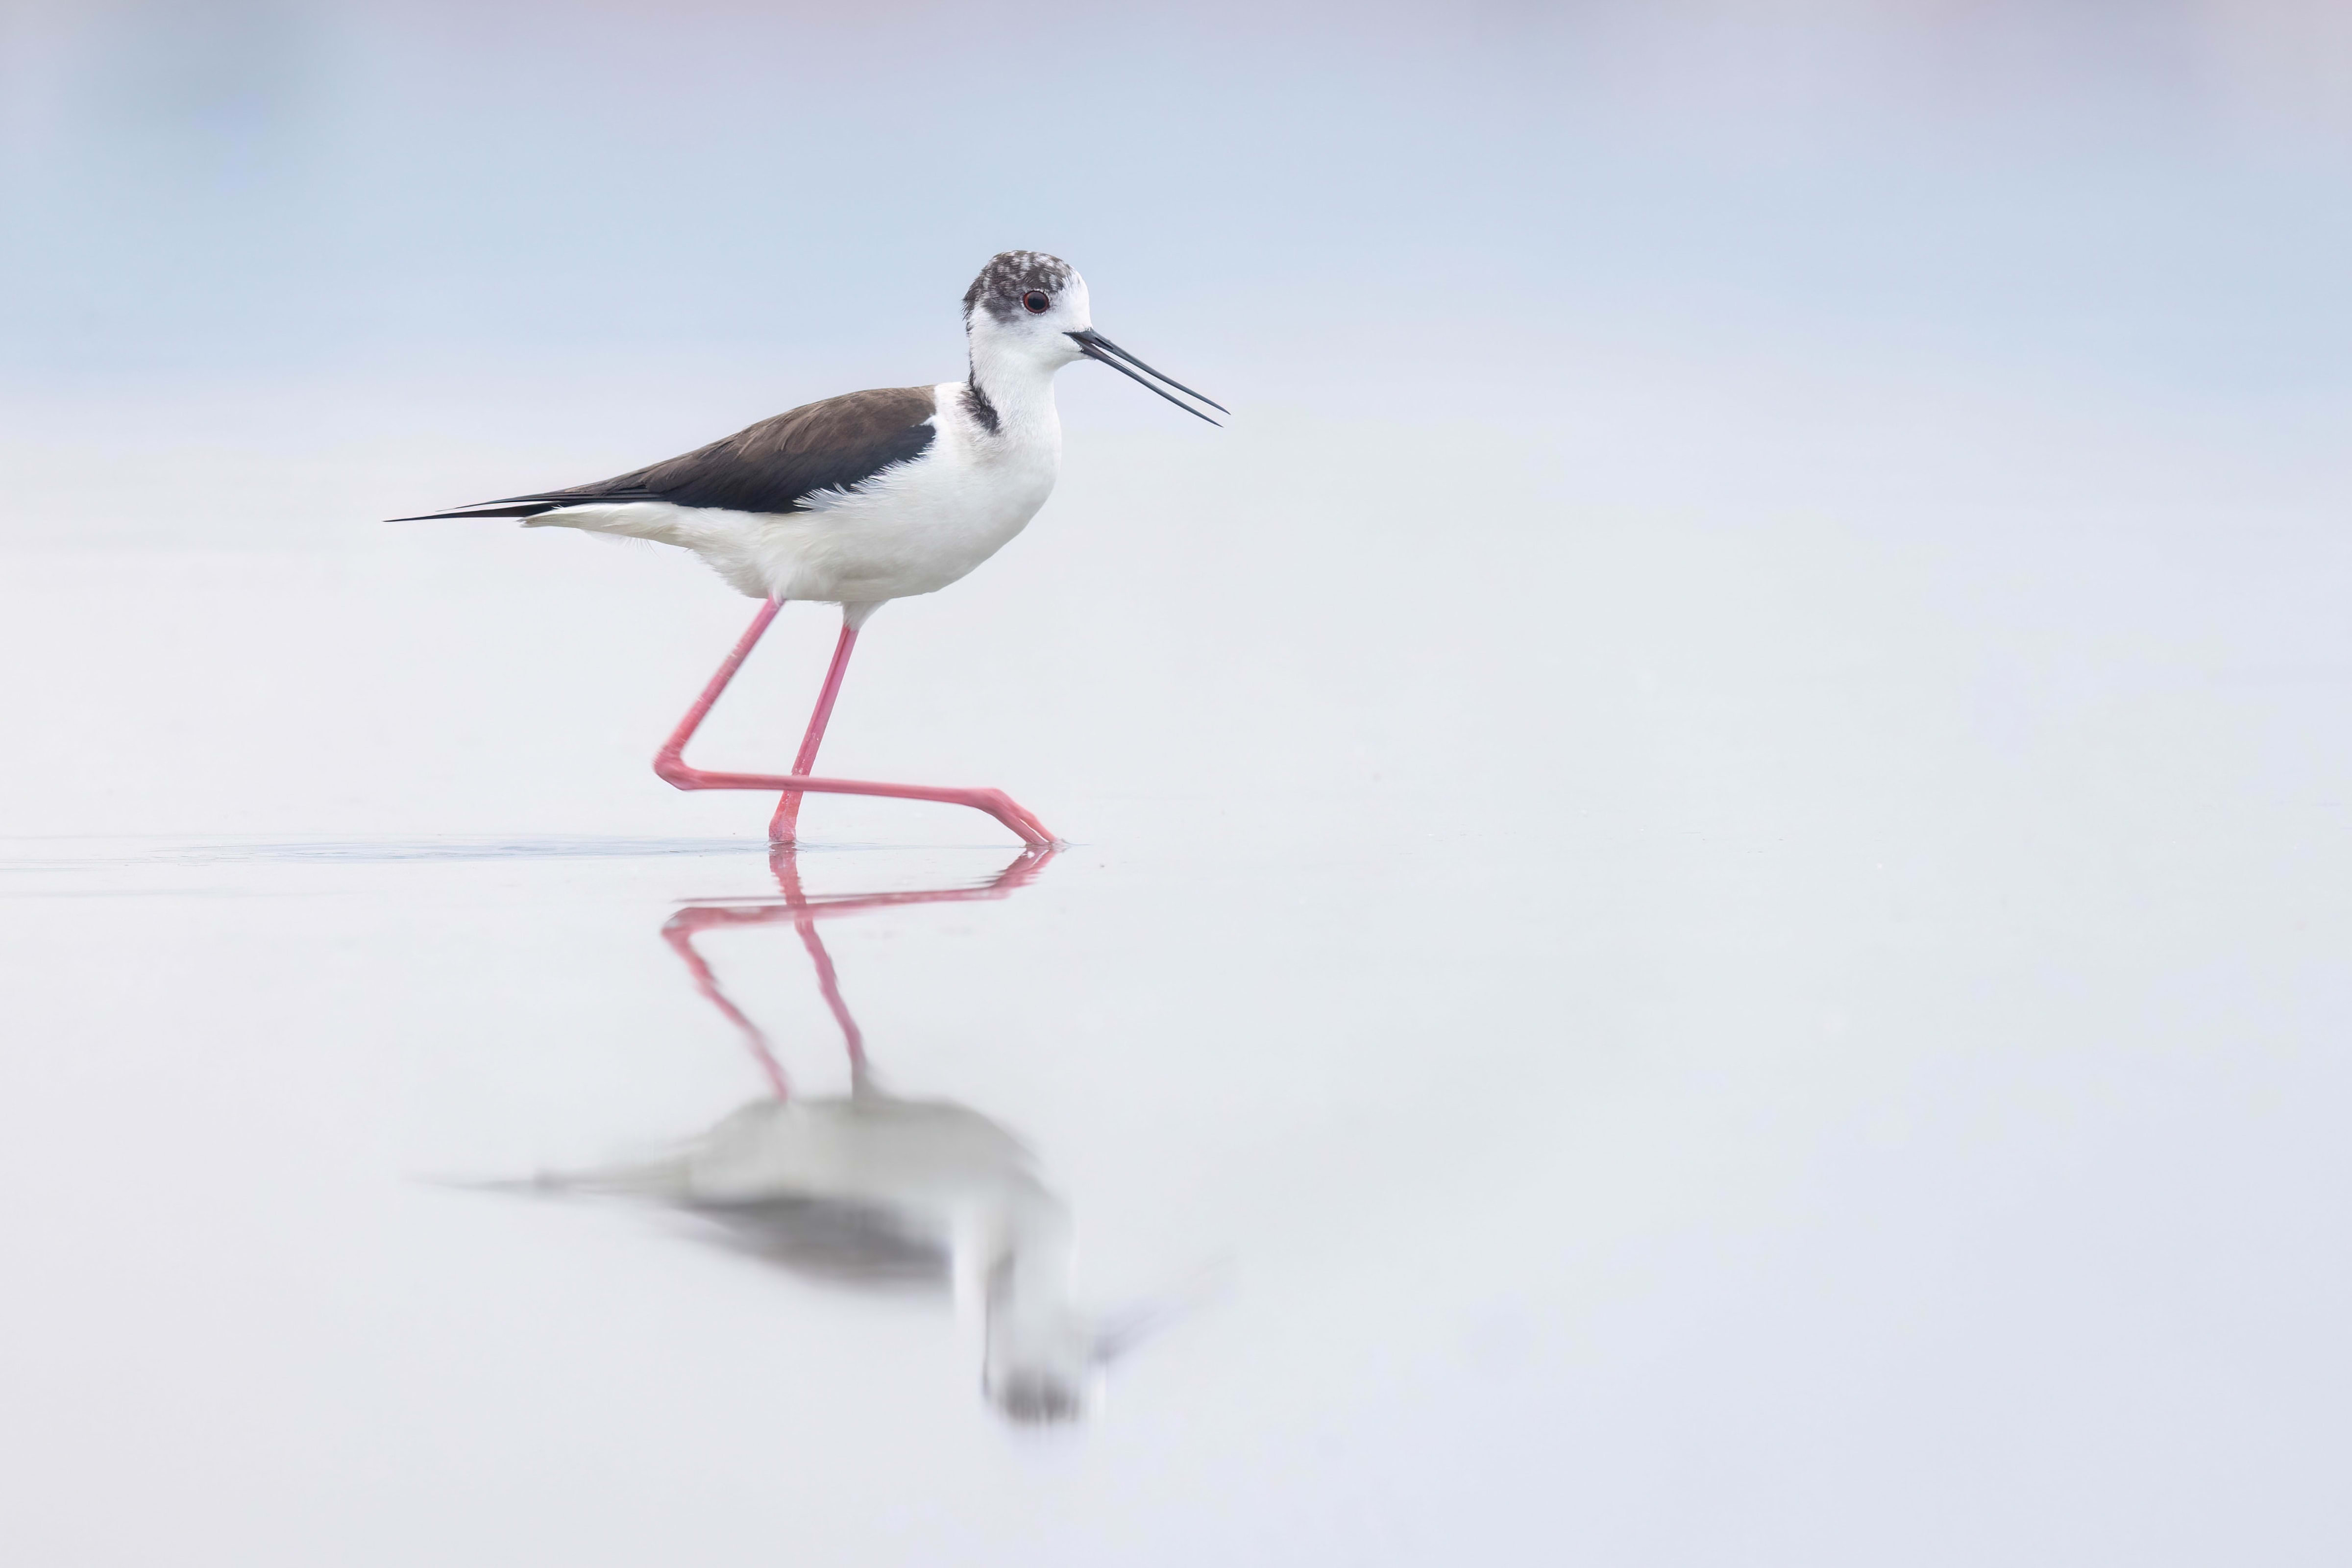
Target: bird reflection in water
(876, 1189)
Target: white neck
(1020, 389)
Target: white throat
(1017, 384)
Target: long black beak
(1095, 346)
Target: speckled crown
(1011, 274)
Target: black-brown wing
(773, 466)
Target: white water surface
(1753, 1037)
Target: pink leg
(669, 763)
(782, 825)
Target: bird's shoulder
(855, 421)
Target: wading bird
(867, 498)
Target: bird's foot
(673, 770)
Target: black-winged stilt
(866, 498)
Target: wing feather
(773, 466)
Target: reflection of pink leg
(782, 861)
(804, 912)
(680, 935)
(669, 763)
(830, 984)
(788, 810)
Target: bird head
(1045, 1359)
(1030, 308)
(1024, 305)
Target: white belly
(914, 532)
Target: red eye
(1038, 303)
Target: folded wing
(772, 466)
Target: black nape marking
(983, 412)
(1011, 274)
